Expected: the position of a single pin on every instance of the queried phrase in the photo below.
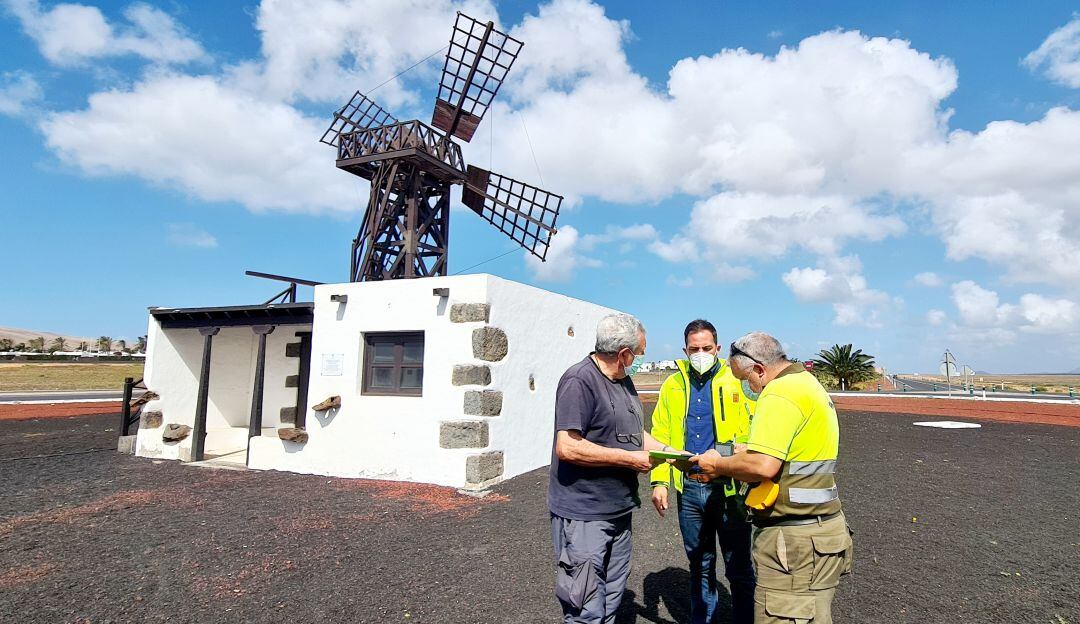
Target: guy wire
(488, 260)
(527, 138)
(398, 75)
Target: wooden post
(125, 408)
(255, 420)
(198, 434)
(302, 384)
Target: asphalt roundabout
(951, 525)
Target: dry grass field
(651, 380)
(1016, 383)
(30, 376)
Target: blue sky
(900, 176)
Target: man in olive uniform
(801, 541)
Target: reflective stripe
(827, 466)
(812, 496)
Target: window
(394, 363)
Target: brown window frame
(398, 339)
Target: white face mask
(702, 362)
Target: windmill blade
(523, 212)
(476, 65)
(359, 114)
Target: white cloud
(816, 285)
(929, 279)
(1050, 316)
(817, 146)
(203, 137)
(832, 114)
(984, 317)
(321, 50)
(18, 90)
(761, 225)
(1059, 54)
(1009, 195)
(613, 234)
(569, 248)
(725, 273)
(568, 41)
(840, 281)
(563, 257)
(72, 34)
(936, 317)
(978, 306)
(190, 235)
(681, 282)
(235, 137)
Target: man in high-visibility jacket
(700, 408)
(802, 545)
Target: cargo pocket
(575, 583)
(798, 608)
(771, 556)
(831, 559)
(849, 554)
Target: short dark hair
(697, 325)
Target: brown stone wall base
(483, 467)
(293, 434)
(471, 375)
(483, 403)
(470, 313)
(489, 344)
(463, 434)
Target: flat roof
(302, 313)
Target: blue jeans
(705, 517)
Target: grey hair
(760, 346)
(616, 332)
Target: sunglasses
(737, 351)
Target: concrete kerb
(890, 395)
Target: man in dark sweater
(599, 449)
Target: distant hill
(24, 335)
(1075, 371)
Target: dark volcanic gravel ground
(951, 526)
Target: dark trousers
(706, 516)
(592, 560)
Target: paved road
(81, 395)
(920, 387)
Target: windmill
(405, 232)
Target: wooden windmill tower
(405, 232)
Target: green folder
(670, 454)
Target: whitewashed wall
(398, 437)
(174, 359)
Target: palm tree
(104, 343)
(37, 344)
(847, 366)
(59, 344)
(121, 345)
(6, 344)
(142, 345)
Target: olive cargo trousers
(798, 570)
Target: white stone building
(447, 380)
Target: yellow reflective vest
(732, 413)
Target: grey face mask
(747, 392)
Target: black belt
(762, 523)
